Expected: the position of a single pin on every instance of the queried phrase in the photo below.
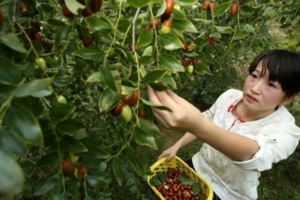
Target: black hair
(283, 66)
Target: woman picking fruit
(244, 132)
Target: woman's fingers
(167, 155)
(162, 115)
(179, 106)
(179, 100)
(165, 99)
(163, 154)
(153, 97)
(161, 97)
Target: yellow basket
(161, 166)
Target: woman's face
(260, 94)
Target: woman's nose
(256, 87)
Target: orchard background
(75, 122)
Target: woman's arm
(237, 147)
(186, 117)
(186, 139)
(172, 150)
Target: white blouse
(276, 134)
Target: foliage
(65, 65)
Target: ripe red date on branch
(67, 12)
(205, 5)
(67, 167)
(87, 12)
(134, 98)
(234, 9)
(169, 6)
(211, 40)
(185, 62)
(81, 172)
(96, 5)
(117, 109)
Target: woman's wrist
(178, 145)
(202, 126)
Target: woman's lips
(251, 98)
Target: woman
(244, 132)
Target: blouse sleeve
(276, 143)
(209, 113)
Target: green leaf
(161, 9)
(117, 170)
(249, 10)
(154, 75)
(99, 153)
(170, 41)
(160, 177)
(6, 88)
(57, 197)
(186, 2)
(171, 63)
(100, 24)
(162, 107)
(145, 38)
(72, 128)
(204, 69)
(270, 12)
(196, 188)
(9, 74)
(95, 181)
(138, 3)
(73, 6)
(204, 21)
(96, 77)
(47, 185)
(50, 159)
(247, 28)
(22, 121)
(185, 180)
(145, 139)
(60, 110)
(56, 22)
(12, 41)
(222, 8)
(159, 86)
(148, 51)
(71, 145)
(184, 25)
(108, 78)
(108, 98)
(9, 144)
(169, 80)
(11, 175)
(224, 29)
(134, 162)
(36, 88)
(148, 127)
(155, 181)
(122, 51)
(88, 53)
(62, 80)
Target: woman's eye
(272, 84)
(253, 75)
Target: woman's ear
(287, 99)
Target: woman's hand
(170, 152)
(184, 115)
